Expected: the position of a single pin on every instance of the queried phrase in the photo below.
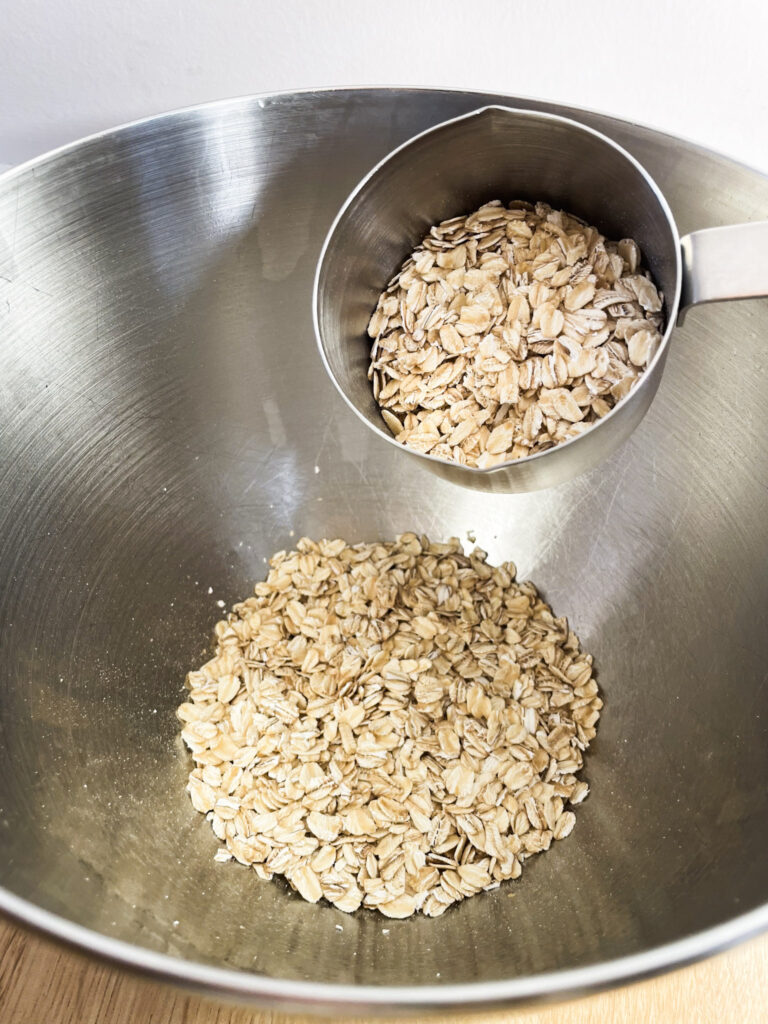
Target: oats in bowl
(391, 725)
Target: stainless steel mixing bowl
(498, 152)
(166, 424)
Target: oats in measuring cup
(509, 331)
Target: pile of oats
(396, 726)
(509, 331)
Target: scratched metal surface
(166, 424)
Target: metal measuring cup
(503, 153)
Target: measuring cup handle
(724, 263)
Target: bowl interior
(167, 425)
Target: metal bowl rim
(316, 996)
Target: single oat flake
(509, 331)
(391, 725)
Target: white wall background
(695, 67)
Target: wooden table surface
(43, 984)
